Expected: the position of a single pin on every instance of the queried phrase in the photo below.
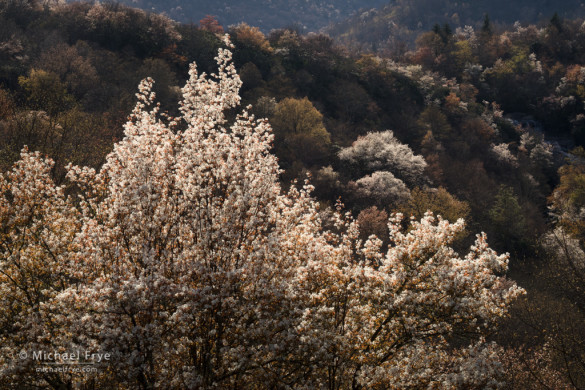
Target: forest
(308, 15)
(208, 206)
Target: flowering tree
(387, 169)
(398, 314)
(186, 262)
(381, 151)
(37, 230)
(381, 188)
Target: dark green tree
(486, 28)
(556, 22)
(507, 218)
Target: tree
(559, 313)
(351, 101)
(380, 188)
(166, 80)
(433, 119)
(250, 36)
(46, 92)
(299, 131)
(381, 151)
(75, 71)
(251, 76)
(213, 202)
(184, 260)
(556, 23)
(211, 24)
(486, 28)
(38, 228)
(116, 26)
(418, 299)
(568, 198)
(373, 221)
(386, 166)
(507, 217)
(439, 201)
(445, 32)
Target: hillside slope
(310, 15)
(402, 21)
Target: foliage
(250, 36)
(211, 24)
(36, 242)
(266, 14)
(439, 201)
(528, 369)
(556, 316)
(380, 188)
(503, 155)
(45, 92)
(299, 131)
(568, 198)
(77, 72)
(383, 152)
(183, 258)
(373, 221)
(404, 20)
(506, 215)
(449, 101)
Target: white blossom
(503, 155)
(381, 187)
(381, 151)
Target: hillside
(398, 23)
(308, 15)
(185, 244)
